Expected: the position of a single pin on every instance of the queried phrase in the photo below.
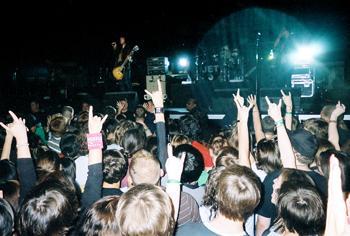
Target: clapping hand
(274, 109)
(95, 122)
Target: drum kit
(224, 66)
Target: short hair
(58, 126)
(323, 145)
(179, 139)
(268, 124)
(50, 208)
(217, 142)
(140, 112)
(123, 126)
(144, 168)
(317, 127)
(227, 156)
(11, 190)
(68, 168)
(133, 140)
(7, 218)
(109, 128)
(190, 126)
(47, 162)
(8, 170)
(238, 192)
(100, 219)
(326, 112)
(193, 165)
(68, 112)
(268, 156)
(115, 166)
(145, 210)
(301, 208)
(110, 111)
(69, 145)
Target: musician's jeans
(125, 83)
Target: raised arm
(174, 167)
(333, 135)
(243, 134)
(158, 101)
(6, 149)
(284, 144)
(287, 100)
(92, 191)
(259, 133)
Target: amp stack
(157, 69)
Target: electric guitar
(118, 72)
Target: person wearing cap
(298, 149)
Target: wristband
(289, 113)
(159, 110)
(279, 122)
(94, 141)
(22, 145)
(332, 121)
(173, 181)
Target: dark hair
(140, 112)
(100, 219)
(69, 145)
(10, 191)
(68, 168)
(115, 166)
(268, 124)
(110, 111)
(227, 156)
(268, 156)
(109, 128)
(301, 208)
(6, 218)
(47, 162)
(50, 208)
(317, 127)
(151, 145)
(190, 127)
(133, 140)
(58, 126)
(8, 170)
(193, 165)
(122, 127)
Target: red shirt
(208, 162)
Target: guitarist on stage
(120, 53)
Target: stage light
(183, 63)
(306, 54)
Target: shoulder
(194, 229)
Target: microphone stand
(258, 69)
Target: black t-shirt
(111, 192)
(268, 209)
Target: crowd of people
(122, 172)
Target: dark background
(62, 31)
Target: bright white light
(305, 54)
(183, 62)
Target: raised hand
(338, 111)
(287, 100)
(95, 122)
(17, 128)
(157, 95)
(238, 99)
(149, 106)
(274, 109)
(173, 165)
(252, 100)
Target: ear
(347, 204)
(162, 173)
(130, 183)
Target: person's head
(50, 208)
(34, 106)
(216, 143)
(125, 104)
(58, 126)
(120, 130)
(292, 175)
(317, 127)
(209, 198)
(47, 162)
(144, 169)
(268, 155)
(326, 112)
(232, 136)
(109, 128)
(305, 146)
(110, 111)
(68, 113)
(190, 127)
(179, 139)
(238, 193)
(193, 165)
(191, 104)
(145, 210)
(227, 156)
(69, 145)
(140, 113)
(7, 218)
(10, 190)
(68, 168)
(85, 106)
(115, 166)
(122, 39)
(323, 146)
(8, 170)
(133, 140)
(268, 125)
(100, 219)
(301, 209)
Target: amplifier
(157, 65)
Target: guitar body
(118, 73)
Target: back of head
(110, 111)
(268, 124)
(144, 168)
(227, 156)
(58, 126)
(123, 126)
(326, 112)
(8, 170)
(115, 166)
(109, 128)
(268, 155)
(50, 208)
(317, 127)
(47, 162)
(69, 145)
(193, 165)
(10, 190)
(145, 210)
(190, 127)
(100, 219)
(179, 139)
(133, 140)
(305, 145)
(7, 218)
(238, 192)
(68, 112)
(301, 208)
(209, 198)
(68, 168)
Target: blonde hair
(145, 210)
(144, 168)
(179, 139)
